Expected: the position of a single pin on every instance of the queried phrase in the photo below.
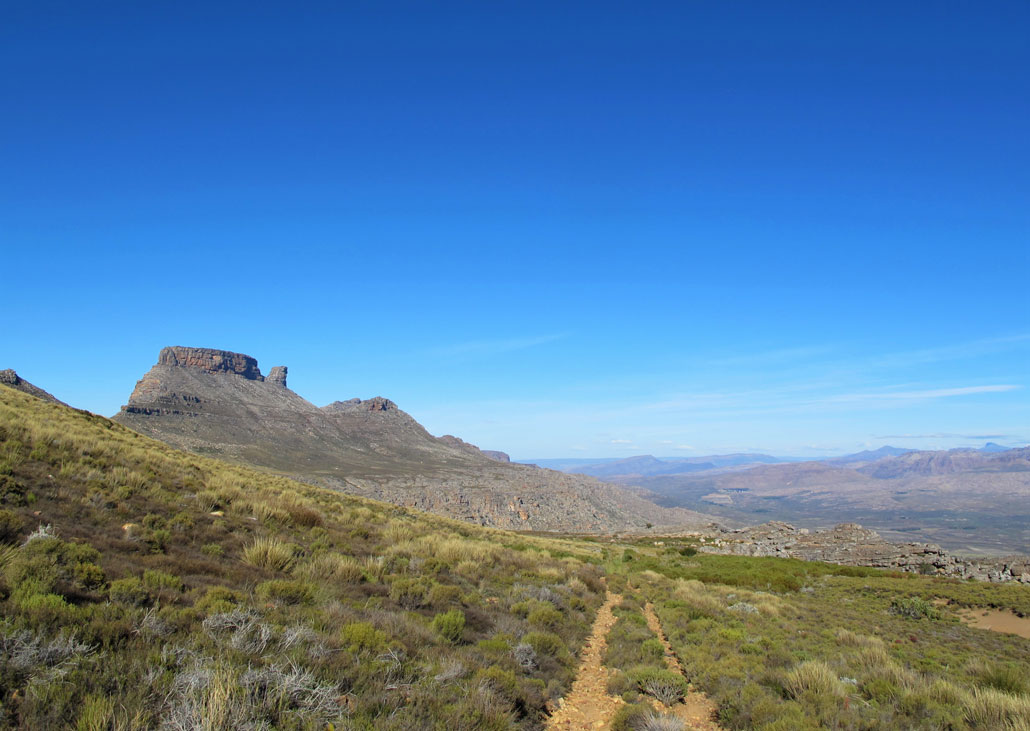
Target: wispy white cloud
(772, 357)
(931, 393)
(493, 347)
(956, 351)
(621, 441)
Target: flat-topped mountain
(218, 403)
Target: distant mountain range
(218, 403)
(647, 465)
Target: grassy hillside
(145, 587)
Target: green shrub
(159, 580)
(53, 565)
(443, 594)
(914, 607)
(219, 599)
(362, 637)
(450, 625)
(410, 593)
(653, 647)
(665, 685)
(546, 643)
(11, 526)
(129, 590)
(213, 550)
(285, 591)
(545, 617)
(630, 717)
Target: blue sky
(557, 229)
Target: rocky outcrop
(277, 376)
(212, 361)
(849, 544)
(377, 403)
(9, 378)
(495, 455)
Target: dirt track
(589, 707)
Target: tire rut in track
(697, 710)
(587, 706)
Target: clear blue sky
(558, 229)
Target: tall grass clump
(815, 677)
(270, 553)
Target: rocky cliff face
(218, 403)
(849, 544)
(9, 378)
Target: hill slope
(143, 587)
(218, 403)
(170, 590)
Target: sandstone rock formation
(218, 403)
(849, 544)
(9, 378)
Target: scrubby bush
(362, 636)
(545, 617)
(160, 580)
(219, 599)
(629, 717)
(11, 526)
(129, 590)
(284, 591)
(450, 625)
(410, 593)
(52, 565)
(914, 607)
(546, 643)
(665, 685)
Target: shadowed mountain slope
(218, 403)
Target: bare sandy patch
(996, 620)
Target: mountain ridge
(218, 403)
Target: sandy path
(697, 710)
(588, 705)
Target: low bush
(129, 590)
(914, 607)
(360, 637)
(285, 591)
(665, 685)
(450, 625)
